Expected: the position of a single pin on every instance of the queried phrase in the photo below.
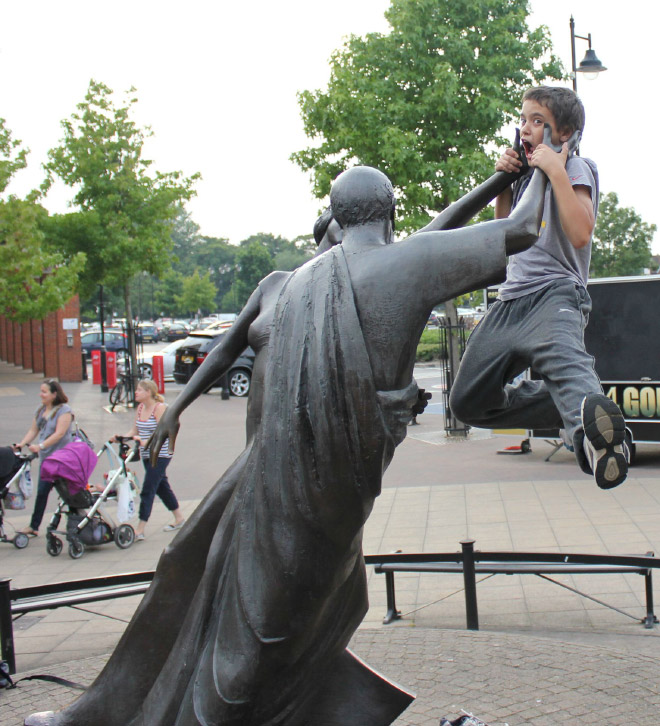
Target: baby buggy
(88, 522)
(15, 488)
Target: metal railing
(15, 603)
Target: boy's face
(532, 118)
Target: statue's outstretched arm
(218, 361)
(460, 212)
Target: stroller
(87, 520)
(15, 488)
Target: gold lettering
(647, 402)
(612, 393)
(631, 402)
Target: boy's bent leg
(597, 429)
(481, 395)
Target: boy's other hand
(509, 162)
(549, 160)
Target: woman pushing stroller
(52, 427)
(151, 407)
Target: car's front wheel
(239, 382)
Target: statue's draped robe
(254, 603)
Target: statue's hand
(422, 401)
(167, 428)
(522, 156)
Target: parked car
(147, 333)
(194, 350)
(114, 340)
(145, 362)
(175, 331)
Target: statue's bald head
(361, 195)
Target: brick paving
(513, 679)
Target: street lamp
(590, 65)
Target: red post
(96, 367)
(111, 368)
(158, 372)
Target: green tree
(198, 294)
(35, 279)
(100, 156)
(186, 241)
(167, 294)
(622, 241)
(423, 101)
(218, 257)
(253, 263)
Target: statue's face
(333, 236)
(334, 233)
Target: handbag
(81, 435)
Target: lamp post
(590, 65)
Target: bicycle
(120, 394)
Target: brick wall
(37, 346)
(26, 337)
(69, 357)
(18, 344)
(41, 345)
(3, 337)
(10, 342)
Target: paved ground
(544, 655)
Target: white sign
(70, 323)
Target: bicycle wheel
(118, 394)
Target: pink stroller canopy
(73, 462)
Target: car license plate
(187, 359)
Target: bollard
(470, 584)
(84, 367)
(6, 625)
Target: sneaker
(605, 440)
(467, 720)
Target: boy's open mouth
(528, 148)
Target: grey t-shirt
(47, 426)
(553, 257)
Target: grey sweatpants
(543, 331)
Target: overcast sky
(217, 83)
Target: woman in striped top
(150, 408)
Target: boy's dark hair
(563, 104)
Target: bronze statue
(253, 604)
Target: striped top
(145, 430)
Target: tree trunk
(131, 363)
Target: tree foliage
(198, 294)
(421, 102)
(622, 241)
(129, 208)
(34, 278)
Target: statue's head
(362, 195)
(327, 231)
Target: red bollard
(111, 368)
(96, 367)
(158, 372)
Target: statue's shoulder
(274, 280)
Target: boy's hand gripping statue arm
(460, 212)
(527, 216)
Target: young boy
(543, 306)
